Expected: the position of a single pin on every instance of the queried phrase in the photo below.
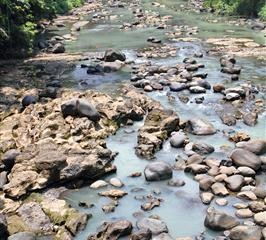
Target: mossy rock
(16, 224)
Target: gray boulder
(256, 146)
(178, 139)
(157, 171)
(154, 225)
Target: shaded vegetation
(249, 8)
(19, 22)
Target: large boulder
(80, 108)
(255, 146)
(154, 225)
(199, 126)
(219, 221)
(242, 157)
(111, 56)
(113, 230)
(245, 232)
(157, 171)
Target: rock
(116, 182)
(34, 217)
(49, 92)
(242, 157)
(256, 146)
(245, 232)
(81, 108)
(206, 197)
(219, 189)
(260, 218)
(197, 89)
(250, 118)
(3, 179)
(98, 184)
(239, 136)
(196, 168)
(3, 227)
(9, 157)
(113, 193)
(176, 183)
(195, 158)
(143, 234)
(148, 88)
(157, 171)
(232, 96)
(152, 203)
(113, 230)
(206, 182)
(235, 182)
(256, 206)
(111, 56)
(192, 67)
(217, 88)
(178, 139)
(247, 195)
(176, 86)
(202, 148)
(234, 77)
(244, 213)
(23, 236)
(219, 221)
(201, 127)
(28, 100)
(231, 70)
(154, 225)
(258, 26)
(246, 171)
(58, 48)
(221, 201)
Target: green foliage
(249, 8)
(18, 22)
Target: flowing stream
(181, 209)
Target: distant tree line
(248, 8)
(19, 22)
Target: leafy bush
(18, 22)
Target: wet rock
(239, 136)
(178, 139)
(116, 182)
(260, 218)
(200, 75)
(197, 89)
(80, 108)
(234, 77)
(232, 96)
(250, 118)
(3, 227)
(195, 158)
(206, 197)
(201, 127)
(49, 92)
(219, 221)
(148, 88)
(206, 182)
(202, 148)
(246, 171)
(231, 70)
(196, 168)
(256, 146)
(219, 189)
(58, 48)
(113, 230)
(111, 56)
(242, 157)
(192, 67)
(113, 193)
(256, 206)
(34, 217)
(154, 225)
(23, 236)
(189, 60)
(28, 100)
(157, 171)
(110, 207)
(217, 88)
(143, 234)
(98, 184)
(239, 90)
(244, 213)
(257, 26)
(135, 174)
(221, 201)
(176, 86)
(152, 203)
(176, 183)
(235, 182)
(245, 232)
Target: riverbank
(179, 130)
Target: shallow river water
(181, 208)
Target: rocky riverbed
(136, 120)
